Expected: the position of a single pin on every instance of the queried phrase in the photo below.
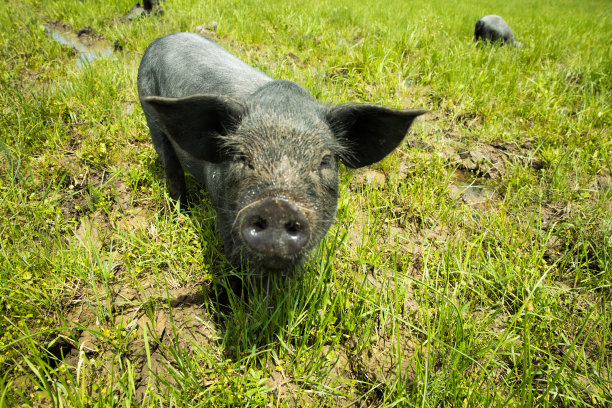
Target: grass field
(471, 268)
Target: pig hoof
(275, 227)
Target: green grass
(421, 295)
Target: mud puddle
(84, 42)
(464, 186)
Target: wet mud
(464, 186)
(85, 42)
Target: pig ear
(196, 122)
(370, 132)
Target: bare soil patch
(368, 177)
(490, 160)
(109, 333)
(339, 378)
(470, 190)
(208, 30)
(88, 44)
(388, 360)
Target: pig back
(184, 64)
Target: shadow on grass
(250, 309)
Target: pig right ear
(370, 132)
(196, 122)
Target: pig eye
(242, 158)
(327, 162)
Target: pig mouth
(274, 263)
(274, 231)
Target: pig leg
(175, 175)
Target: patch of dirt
(368, 177)
(134, 219)
(92, 197)
(476, 165)
(88, 36)
(339, 367)
(92, 231)
(468, 119)
(402, 233)
(293, 58)
(340, 376)
(360, 377)
(487, 160)
(208, 30)
(419, 144)
(122, 195)
(603, 182)
(285, 390)
(574, 78)
(388, 360)
(347, 372)
(549, 216)
(340, 72)
(103, 341)
(96, 229)
(469, 190)
(85, 41)
(6, 163)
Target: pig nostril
(261, 224)
(293, 227)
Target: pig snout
(275, 227)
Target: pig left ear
(371, 132)
(196, 122)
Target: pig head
(265, 149)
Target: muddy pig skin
(492, 28)
(265, 149)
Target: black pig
(492, 28)
(265, 149)
(148, 7)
